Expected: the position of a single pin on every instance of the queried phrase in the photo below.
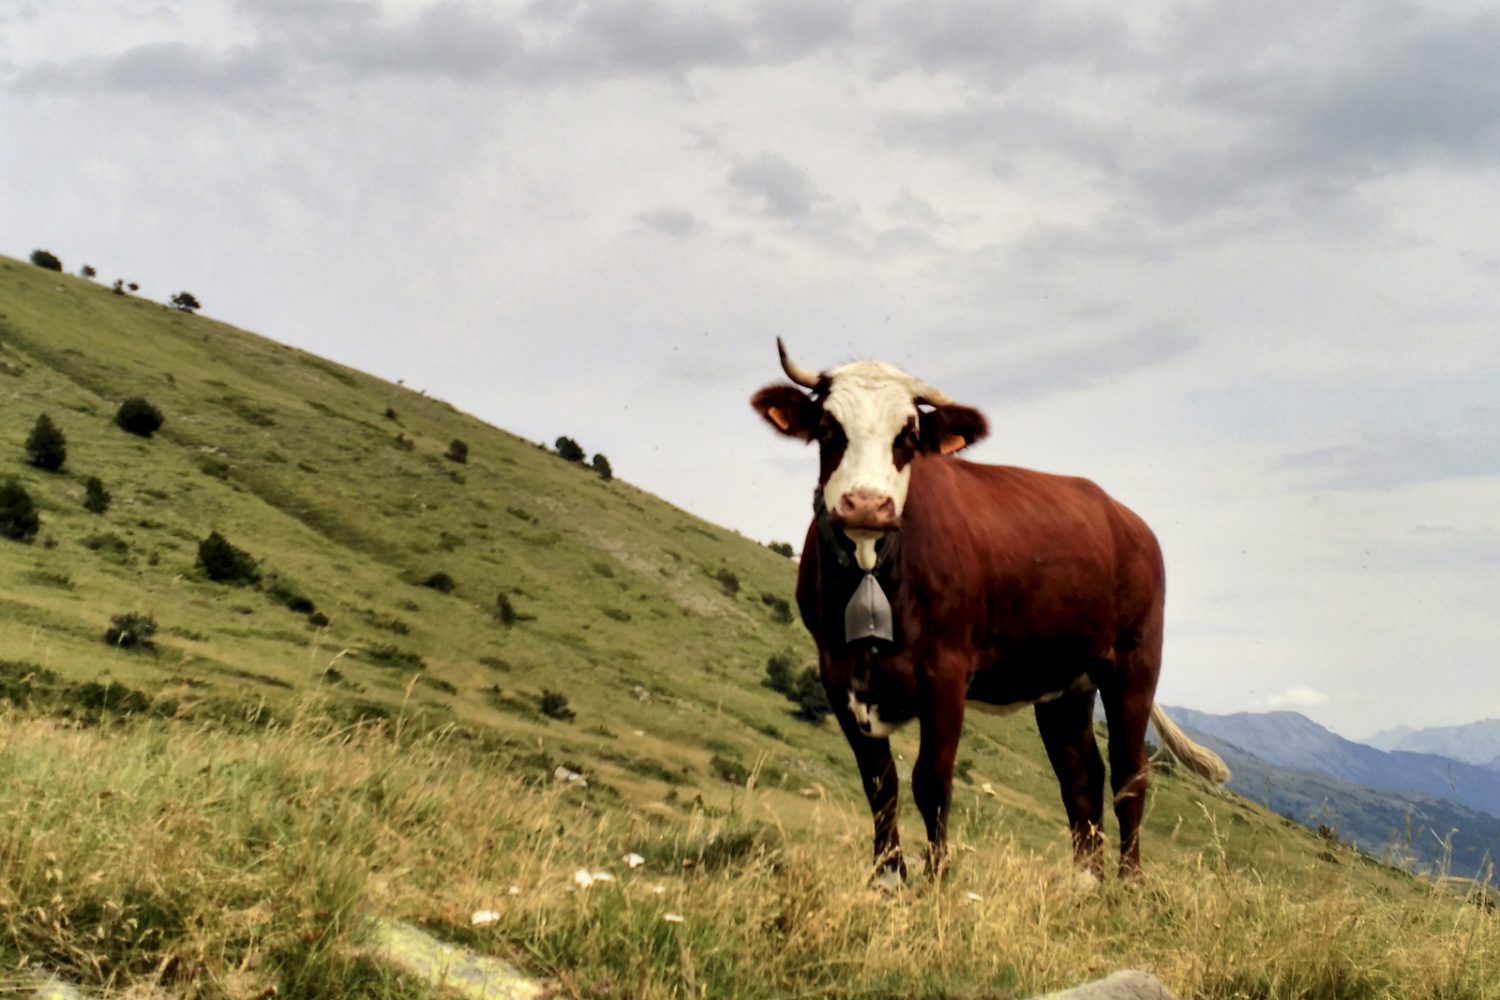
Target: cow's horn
(801, 376)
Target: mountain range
(1397, 805)
(1473, 743)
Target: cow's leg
(1128, 710)
(932, 777)
(1067, 729)
(878, 773)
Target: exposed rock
(459, 970)
(1129, 984)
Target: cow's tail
(1200, 760)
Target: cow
(929, 582)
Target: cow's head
(870, 420)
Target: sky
(1239, 264)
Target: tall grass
(209, 863)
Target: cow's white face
(875, 410)
(870, 420)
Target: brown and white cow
(929, 582)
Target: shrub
(782, 548)
(186, 302)
(458, 451)
(390, 413)
(95, 497)
(554, 705)
(87, 271)
(19, 520)
(223, 563)
(781, 674)
(441, 582)
(318, 619)
(139, 417)
(728, 580)
(601, 466)
(569, 450)
(131, 631)
(41, 258)
(46, 448)
(287, 594)
(505, 611)
(810, 698)
(781, 609)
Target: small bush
(782, 548)
(131, 631)
(44, 259)
(601, 466)
(287, 594)
(46, 448)
(729, 769)
(224, 563)
(394, 656)
(810, 698)
(554, 705)
(186, 302)
(390, 413)
(781, 610)
(728, 580)
(781, 674)
(138, 417)
(458, 452)
(441, 582)
(87, 271)
(19, 520)
(318, 619)
(505, 610)
(95, 497)
(569, 450)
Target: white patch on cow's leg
(879, 728)
(888, 880)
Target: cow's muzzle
(865, 510)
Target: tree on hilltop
(45, 259)
(186, 302)
(601, 466)
(569, 450)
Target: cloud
(1085, 365)
(777, 187)
(1395, 459)
(163, 68)
(670, 222)
(549, 42)
(1297, 696)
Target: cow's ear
(946, 429)
(788, 409)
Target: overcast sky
(1240, 264)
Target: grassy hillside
(216, 816)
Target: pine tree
(46, 448)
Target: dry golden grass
(199, 862)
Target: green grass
(277, 778)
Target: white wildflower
(483, 918)
(583, 877)
(634, 860)
(672, 918)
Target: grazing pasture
(220, 804)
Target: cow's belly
(1002, 691)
